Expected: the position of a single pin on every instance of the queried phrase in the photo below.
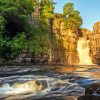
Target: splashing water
(83, 51)
(47, 86)
(32, 86)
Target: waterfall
(83, 51)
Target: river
(57, 80)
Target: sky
(89, 10)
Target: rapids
(52, 81)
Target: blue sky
(89, 10)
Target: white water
(30, 87)
(83, 52)
(21, 88)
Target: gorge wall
(66, 42)
(95, 43)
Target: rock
(89, 97)
(93, 88)
(96, 43)
(42, 98)
(92, 92)
(55, 98)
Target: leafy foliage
(2, 25)
(9, 49)
(39, 42)
(46, 9)
(68, 8)
(13, 22)
(15, 14)
(72, 17)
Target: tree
(68, 8)
(15, 14)
(2, 25)
(47, 9)
(39, 43)
(44, 10)
(14, 26)
(72, 17)
(9, 49)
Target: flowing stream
(46, 82)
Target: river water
(57, 81)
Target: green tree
(72, 17)
(68, 8)
(9, 49)
(14, 15)
(39, 43)
(2, 25)
(44, 10)
(16, 31)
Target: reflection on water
(84, 71)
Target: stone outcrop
(95, 42)
(65, 50)
(92, 92)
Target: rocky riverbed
(53, 82)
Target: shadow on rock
(92, 92)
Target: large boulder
(92, 92)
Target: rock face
(94, 37)
(65, 50)
(65, 42)
(65, 46)
(92, 92)
(96, 42)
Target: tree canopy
(72, 17)
(13, 22)
(16, 30)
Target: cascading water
(83, 51)
(40, 83)
(38, 86)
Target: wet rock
(60, 98)
(92, 92)
(93, 89)
(43, 98)
(89, 97)
(54, 98)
